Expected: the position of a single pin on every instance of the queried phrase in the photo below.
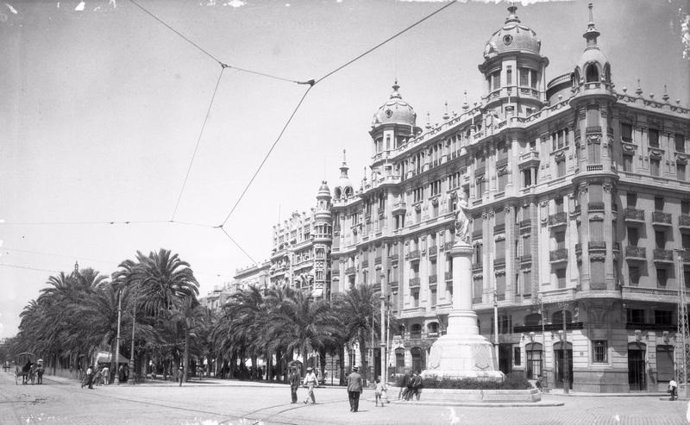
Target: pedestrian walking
(380, 392)
(105, 375)
(402, 394)
(294, 380)
(417, 385)
(88, 379)
(39, 372)
(310, 381)
(354, 388)
(180, 374)
(673, 388)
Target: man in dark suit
(354, 388)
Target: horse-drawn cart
(25, 368)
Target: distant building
(580, 204)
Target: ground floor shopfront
(605, 348)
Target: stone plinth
(462, 352)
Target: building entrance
(505, 358)
(636, 366)
(560, 355)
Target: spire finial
(512, 17)
(445, 115)
(76, 267)
(344, 158)
(591, 13)
(666, 97)
(465, 105)
(639, 88)
(591, 34)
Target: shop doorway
(636, 366)
(560, 355)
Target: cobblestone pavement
(62, 401)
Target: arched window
(557, 317)
(416, 331)
(399, 360)
(534, 351)
(533, 319)
(432, 329)
(337, 193)
(418, 359)
(592, 73)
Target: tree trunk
(341, 363)
(363, 357)
(185, 355)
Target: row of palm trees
(78, 314)
(155, 297)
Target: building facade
(580, 205)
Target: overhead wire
(198, 142)
(263, 161)
(389, 39)
(237, 245)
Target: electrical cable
(280, 135)
(28, 268)
(198, 142)
(204, 51)
(237, 245)
(394, 36)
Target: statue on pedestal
(462, 223)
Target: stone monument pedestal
(462, 352)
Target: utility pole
(683, 332)
(117, 347)
(496, 326)
(131, 356)
(566, 378)
(543, 336)
(382, 339)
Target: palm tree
(357, 311)
(301, 324)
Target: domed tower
(344, 189)
(323, 238)
(592, 75)
(393, 123)
(514, 69)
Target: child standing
(380, 392)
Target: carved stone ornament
(607, 187)
(593, 139)
(583, 187)
(560, 156)
(628, 149)
(681, 159)
(655, 154)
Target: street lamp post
(496, 326)
(566, 377)
(131, 356)
(117, 347)
(382, 339)
(543, 337)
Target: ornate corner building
(580, 205)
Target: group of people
(411, 386)
(31, 370)
(354, 387)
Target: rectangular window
(599, 351)
(627, 163)
(502, 181)
(524, 77)
(517, 355)
(636, 316)
(594, 153)
(626, 132)
(631, 199)
(496, 80)
(660, 239)
(663, 317)
(661, 277)
(634, 272)
(560, 278)
(533, 78)
(415, 299)
(654, 137)
(658, 203)
(432, 297)
(561, 167)
(664, 362)
(679, 141)
(685, 207)
(509, 76)
(560, 240)
(680, 171)
(501, 249)
(655, 167)
(592, 116)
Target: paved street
(61, 401)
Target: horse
(27, 372)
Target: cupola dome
(395, 111)
(512, 37)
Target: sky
(103, 108)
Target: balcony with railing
(559, 219)
(335, 272)
(528, 159)
(433, 279)
(684, 256)
(365, 264)
(684, 222)
(433, 250)
(499, 262)
(499, 228)
(633, 216)
(558, 256)
(413, 255)
(525, 223)
(350, 270)
(661, 219)
(663, 256)
(595, 206)
(414, 282)
(596, 246)
(525, 259)
(399, 208)
(635, 253)
(377, 260)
